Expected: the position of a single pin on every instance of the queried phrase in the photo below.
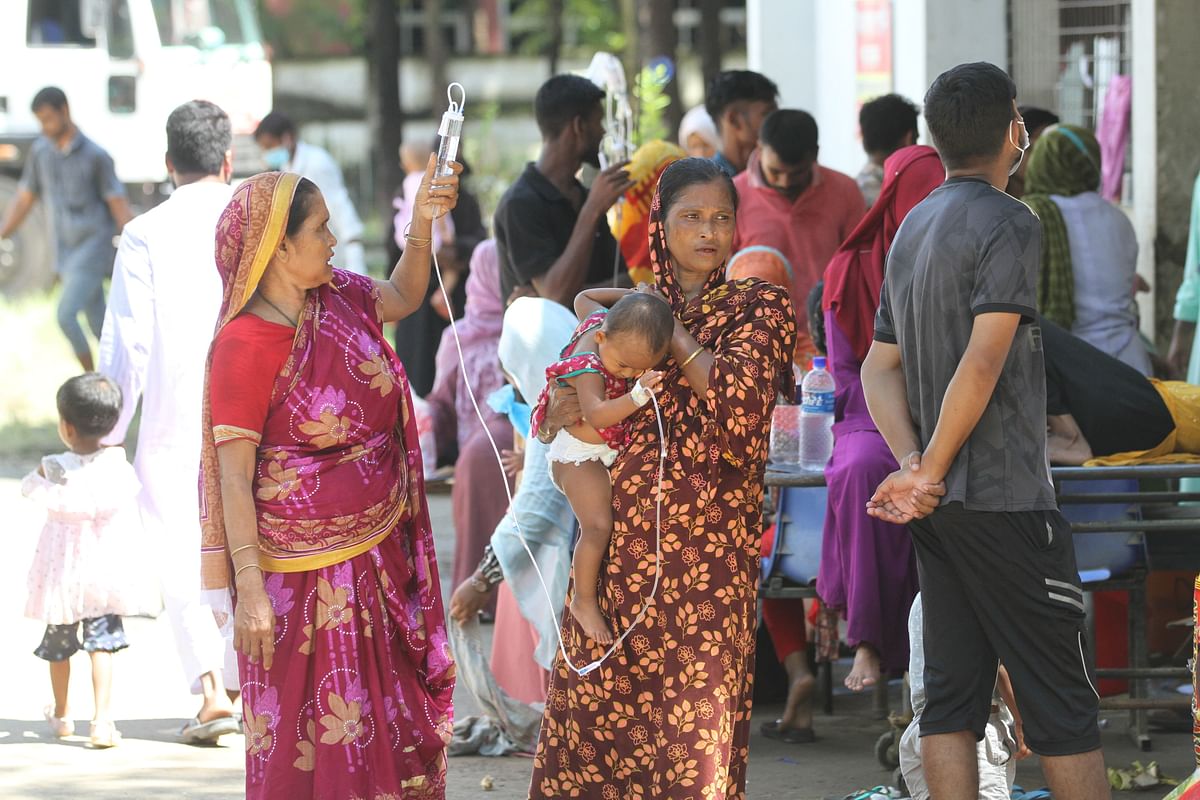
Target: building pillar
(1171, 123)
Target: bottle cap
(819, 362)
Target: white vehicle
(124, 65)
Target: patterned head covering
(1064, 161)
(249, 231)
(664, 270)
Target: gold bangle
(692, 357)
(417, 241)
(246, 567)
(240, 549)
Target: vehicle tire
(28, 267)
(887, 750)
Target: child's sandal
(61, 727)
(104, 734)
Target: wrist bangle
(240, 549)
(417, 241)
(240, 570)
(692, 357)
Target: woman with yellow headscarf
(313, 508)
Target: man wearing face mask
(162, 308)
(956, 383)
(552, 235)
(282, 150)
(791, 203)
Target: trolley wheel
(887, 750)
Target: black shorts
(104, 634)
(1003, 587)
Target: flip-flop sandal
(788, 735)
(197, 732)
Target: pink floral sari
(357, 704)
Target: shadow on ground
(166, 731)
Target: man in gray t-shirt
(74, 176)
(971, 248)
(956, 383)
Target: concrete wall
(1177, 156)
(808, 48)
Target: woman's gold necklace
(294, 323)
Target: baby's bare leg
(589, 489)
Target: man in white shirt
(282, 150)
(162, 309)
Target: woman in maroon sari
(668, 714)
(313, 507)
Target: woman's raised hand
(254, 621)
(437, 195)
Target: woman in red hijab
(867, 569)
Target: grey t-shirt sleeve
(1007, 269)
(885, 329)
(107, 184)
(30, 177)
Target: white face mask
(1022, 146)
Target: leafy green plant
(652, 102)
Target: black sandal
(775, 730)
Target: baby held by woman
(609, 349)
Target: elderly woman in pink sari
(313, 506)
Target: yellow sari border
(281, 203)
(229, 433)
(281, 561)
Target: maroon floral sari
(668, 715)
(357, 704)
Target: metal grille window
(1064, 53)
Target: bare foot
(587, 613)
(216, 709)
(865, 671)
(798, 712)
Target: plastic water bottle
(816, 417)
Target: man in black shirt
(956, 382)
(552, 234)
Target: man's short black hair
(91, 403)
(644, 316)
(198, 137)
(969, 108)
(563, 98)
(732, 85)
(791, 133)
(51, 96)
(885, 121)
(275, 124)
(1037, 118)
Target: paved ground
(151, 706)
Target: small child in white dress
(84, 570)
